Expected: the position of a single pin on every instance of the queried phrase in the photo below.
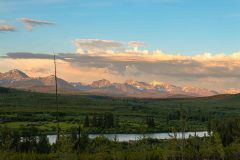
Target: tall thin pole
(56, 95)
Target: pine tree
(117, 121)
(100, 121)
(94, 120)
(150, 122)
(86, 121)
(209, 127)
(108, 120)
(43, 145)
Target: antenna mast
(56, 94)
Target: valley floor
(25, 115)
(125, 115)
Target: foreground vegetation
(222, 143)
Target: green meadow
(130, 115)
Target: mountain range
(20, 80)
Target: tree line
(106, 120)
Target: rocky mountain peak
(101, 83)
(156, 83)
(14, 74)
(138, 85)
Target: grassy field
(22, 108)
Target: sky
(185, 42)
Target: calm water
(135, 137)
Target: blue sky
(185, 27)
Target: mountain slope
(13, 75)
(130, 88)
(18, 79)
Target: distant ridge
(18, 79)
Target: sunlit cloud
(30, 23)
(95, 46)
(135, 45)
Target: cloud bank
(118, 62)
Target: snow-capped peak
(156, 83)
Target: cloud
(30, 23)
(7, 28)
(113, 60)
(135, 45)
(131, 70)
(92, 46)
(26, 55)
(154, 63)
(103, 47)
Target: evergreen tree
(94, 120)
(100, 121)
(86, 121)
(209, 127)
(117, 121)
(5, 138)
(108, 120)
(43, 145)
(16, 140)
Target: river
(135, 137)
